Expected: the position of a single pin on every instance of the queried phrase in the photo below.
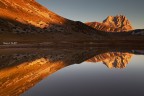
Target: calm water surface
(75, 72)
(93, 79)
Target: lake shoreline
(77, 45)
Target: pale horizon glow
(97, 10)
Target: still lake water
(71, 72)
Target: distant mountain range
(28, 22)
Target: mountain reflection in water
(113, 59)
(21, 69)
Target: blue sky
(98, 10)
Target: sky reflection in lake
(94, 79)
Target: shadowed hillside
(26, 19)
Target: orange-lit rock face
(113, 59)
(23, 17)
(120, 22)
(112, 24)
(28, 12)
(28, 15)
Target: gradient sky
(98, 10)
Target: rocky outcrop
(119, 22)
(112, 24)
(101, 26)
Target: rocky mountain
(119, 21)
(112, 24)
(27, 22)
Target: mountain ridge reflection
(21, 69)
(113, 59)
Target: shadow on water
(21, 69)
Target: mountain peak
(119, 21)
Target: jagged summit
(119, 21)
(112, 24)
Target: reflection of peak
(118, 61)
(118, 21)
(113, 59)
